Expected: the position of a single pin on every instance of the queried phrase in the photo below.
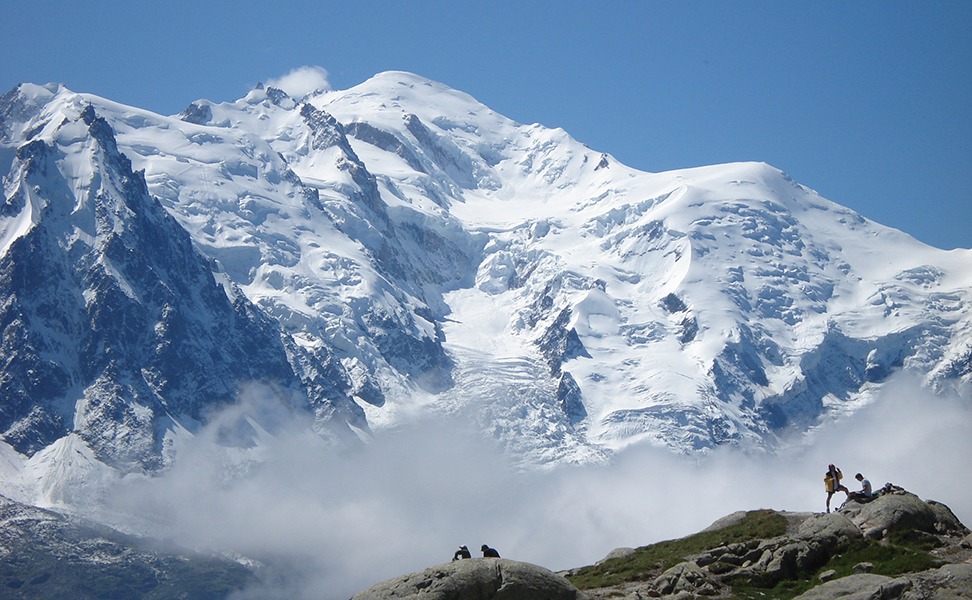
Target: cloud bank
(302, 81)
(326, 524)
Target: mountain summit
(399, 249)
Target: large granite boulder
(864, 586)
(831, 528)
(476, 579)
(902, 510)
(950, 582)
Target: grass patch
(914, 539)
(647, 562)
(889, 559)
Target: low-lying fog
(326, 525)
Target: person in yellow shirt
(832, 483)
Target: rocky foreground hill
(896, 546)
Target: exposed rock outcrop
(921, 551)
(949, 582)
(477, 579)
(864, 586)
(900, 510)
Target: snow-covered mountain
(398, 249)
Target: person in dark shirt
(461, 553)
(489, 552)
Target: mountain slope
(399, 249)
(694, 308)
(114, 325)
(47, 556)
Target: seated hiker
(489, 552)
(865, 493)
(832, 483)
(461, 553)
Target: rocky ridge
(477, 579)
(894, 547)
(905, 548)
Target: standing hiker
(832, 483)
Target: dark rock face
(570, 398)
(198, 113)
(559, 344)
(112, 324)
(386, 141)
(477, 579)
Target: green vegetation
(888, 559)
(648, 562)
(904, 552)
(914, 539)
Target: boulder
(726, 521)
(829, 528)
(863, 567)
(899, 511)
(688, 578)
(827, 575)
(616, 553)
(859, 587)
(476, 579)
(945, 519)
(790, 560)
(950, 582)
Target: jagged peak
(36, 94)
(27, 110)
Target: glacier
(397, 249)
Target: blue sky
(869, 103)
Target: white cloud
(329, 524)
(302, 81)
